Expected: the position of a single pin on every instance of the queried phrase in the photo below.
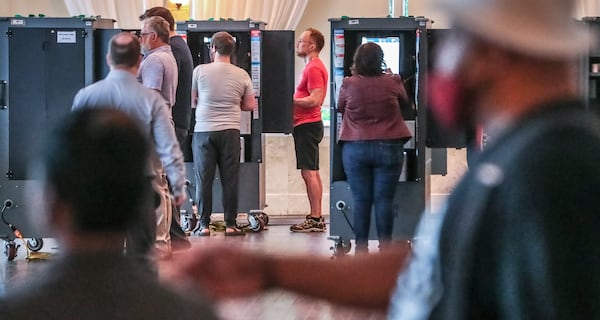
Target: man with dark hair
(95, 185)
(158, 71)
(120, 89)
(518, 238)
(308, 126)
(182, 109)
(220, 92)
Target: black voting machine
(407, 43)
(268, 57)
(43, 63)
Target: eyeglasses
(145, 33)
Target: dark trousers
(211, 150)
(373, 169)
(140, 240)
(176, 231)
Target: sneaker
(308, 216)
(309, 225)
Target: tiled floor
(272, 305)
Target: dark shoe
(233, 231)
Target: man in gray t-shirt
(220, 92)
(159, 67)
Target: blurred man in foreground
(95, 186)
(518, 238)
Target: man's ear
(108, 59)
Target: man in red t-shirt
(308, 127)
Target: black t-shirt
(520, 237)
(182, 110)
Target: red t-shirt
(314, 76)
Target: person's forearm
(364, 281)
(248, 103)
(307, 102)
(194, 98)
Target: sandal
(234, 231)
(202, 232)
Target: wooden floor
(272, 305)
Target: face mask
(446, 92)
(446, 100)
(145, 51)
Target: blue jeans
(373, 169)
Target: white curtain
(153, 3)
(126, 12)
(278, 14)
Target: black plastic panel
(27, 78)
(277, 81)
(439, 136)
(45, 75)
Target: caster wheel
(340, 248)
(343, 247)
(35, 244)
(264, 217)
(189, 223)
(256, 224)
(10, 250)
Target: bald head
(124, 50)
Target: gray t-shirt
(221, 88)
(158, 71)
